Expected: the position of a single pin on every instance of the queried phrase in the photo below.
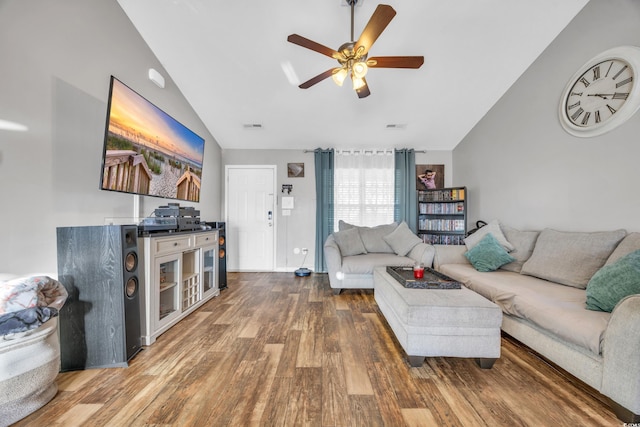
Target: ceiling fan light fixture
(358, 82)
(352, 55)
(339, 76)
(359, 70)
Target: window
(363, 187)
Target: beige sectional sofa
(543, 294)
(353, 252)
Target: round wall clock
(603, 93)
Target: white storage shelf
(171, 283)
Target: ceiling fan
(352, 55)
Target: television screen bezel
(160, 112)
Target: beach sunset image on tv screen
(146, 151)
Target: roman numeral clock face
(603, 94)
(599, 93)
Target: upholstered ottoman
(439, 322)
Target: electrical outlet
(305, 251)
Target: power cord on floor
(302, 271)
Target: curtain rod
(415, 151)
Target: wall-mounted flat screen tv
(148, 152)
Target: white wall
(522, 168)
(298, 229)
(57, 57)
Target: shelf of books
(442, 216)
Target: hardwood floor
(275, 349)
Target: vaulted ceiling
(232, 62)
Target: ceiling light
(340, 75)
(358, 83)
(359, 70)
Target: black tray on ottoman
(431, 280)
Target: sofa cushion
(488, 254)
(402, 240)
(422, 253)
(630, 243)
(349, 242)
(560, 310)
(523, 243)
(373, 237)
(557, 309)
(364, 264)
(344, 225)
(613, 282)
(571, 258)
(492, 228)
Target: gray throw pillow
(372, 237)
(402, 240)
(488, 254)
(344, 225)
(492, 228)
(349, 242)
(571, 258)
(630, 243)
(523, 243)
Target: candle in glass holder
(418, 271)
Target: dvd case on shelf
(442, 215)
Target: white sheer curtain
(363, 187)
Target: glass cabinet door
(167, 272)
(209, 259)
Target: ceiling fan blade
(318, 78)
(376, 25)
(363, 92)
(395, 62)
(310, 44)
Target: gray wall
(57, 57)
(298, 229)
(522, 168)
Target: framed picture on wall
(429, 177)
(295, 170)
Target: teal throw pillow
(613, 282)
(488, 254)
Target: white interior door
(250, 217)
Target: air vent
(252, 126)
(396, 126)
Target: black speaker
(99, 324)
(222, 255)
